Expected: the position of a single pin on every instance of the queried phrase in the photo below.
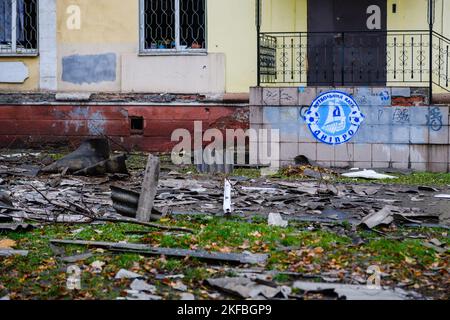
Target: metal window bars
(173, 26)
(18, 27)
(358, 58)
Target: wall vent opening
(137, 125)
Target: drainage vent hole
(137, 125)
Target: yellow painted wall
(113, 26)
(102, 21)
(30, 84)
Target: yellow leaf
(7, 244)
(409, 260)
(318, 250)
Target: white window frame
(13, 50)
(178, 50)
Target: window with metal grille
(18, 27)
(173, 25)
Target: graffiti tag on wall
(434, 119)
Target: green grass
(247, 172)
(294, 249)
(419, 178)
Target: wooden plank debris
(149, 188)
(245, 258)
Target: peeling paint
(97, 124)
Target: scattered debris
(126, 202)
(149, 188)
(115, 164)
(141, 285)
(436, 245)
(185, 296)
(276, 220)
(11, 252)
(5, 200)
(308, 171)
(77, 258)
(141, 296)
(97, 266)
(368, 174)
(91, 158)
(227, 197)
(384, 217)
(126, 274)
(442, 196)
(245, 257)
(18, 227)
(178, 285)
(354, 292)
(365, 190)
(248, 289)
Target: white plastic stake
(227, 197)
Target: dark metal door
(347, 42)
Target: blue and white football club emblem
(334, 117)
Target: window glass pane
(26, 29)
(192, 24)
(159, 24)
(27, 20)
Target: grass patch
(247, 172)
(419, 178)
(41, 274)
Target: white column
(47, 45)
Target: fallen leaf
(225, 250)
(318, 250)
(410, 260)
(97, 266)
(7, 244)
(245, 245)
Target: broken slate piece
(187, 296)
(125, 274)
(16, 227)
(384, 216)
(276, 220)
(89, 153)
(368, 174)
(245, 288)
(77, 258)
(180, 286)
(443, 196)
(354, 292)
(427, 188)
(140, 296)
(245, 257)
(141, 285)
(11, 252)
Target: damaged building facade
(137, 70)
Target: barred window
(18, 27)
(173, 25)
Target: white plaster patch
(13, 72)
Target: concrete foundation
(401, 130)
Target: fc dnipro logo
(334, 117)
